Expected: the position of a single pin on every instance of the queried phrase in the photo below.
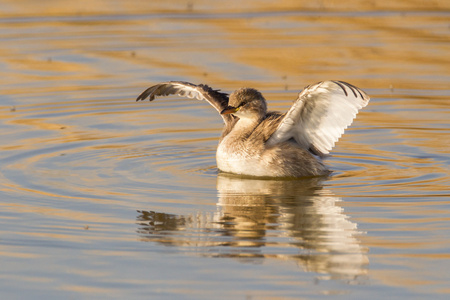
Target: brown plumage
(256, 142)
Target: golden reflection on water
(79, 156)
(259, 218)
(245, 43)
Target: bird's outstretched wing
(185, 89)
(319, 116)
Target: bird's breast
(237, 157)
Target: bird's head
(246, 103)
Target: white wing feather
(184, 90)
(320, 115)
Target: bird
(262, 143)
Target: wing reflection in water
(294, 220)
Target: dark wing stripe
(339, 83)
(354, 88)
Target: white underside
(241, 163)
(237, 158)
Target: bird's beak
(229, 110)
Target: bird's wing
(319, 116)
(185, 89)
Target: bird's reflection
(295, 220)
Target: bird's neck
(245, 126)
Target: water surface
(105, 197)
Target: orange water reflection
(79, 157)
(258, 218)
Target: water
(105, 197)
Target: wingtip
(144, 96)
(141, 96)
(355, 90)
